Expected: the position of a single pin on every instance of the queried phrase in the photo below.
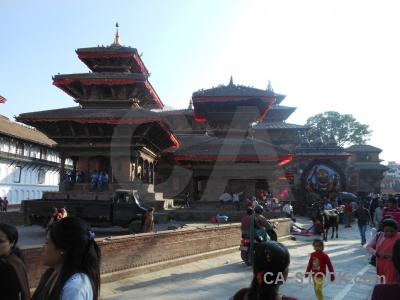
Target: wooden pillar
(74, 171)
(62, 170)
(88, 172)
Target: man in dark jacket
(364, 217)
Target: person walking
(1, 204)
(363, 219)
(149, 220)
(5, 204)
(316, 267)
(384, 243)
(348, 212)
(186, 200)
(378, 214)
(389, 290)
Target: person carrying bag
(372, 259)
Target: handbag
(372, 259)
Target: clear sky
(324, 55)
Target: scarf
(19, 267)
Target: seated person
(294, 227)
(258, 229)
(316, 228)
(248, 204)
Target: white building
(29, 162)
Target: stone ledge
(119, 275)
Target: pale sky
(324, 55)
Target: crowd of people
(266, 199)
(97, 180)
(73, 257)
(382, 215)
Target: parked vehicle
(124, 209)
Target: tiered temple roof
(114, 103)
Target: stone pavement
(220, 277)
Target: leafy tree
(345, 128)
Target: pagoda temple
(218, 146)
(112, 130)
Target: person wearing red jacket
(317, 264)
(348, 212)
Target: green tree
(345, 128)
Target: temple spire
(190, 104)
(269, 87)
(230, 81)
(116, 39)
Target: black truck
(123, 209)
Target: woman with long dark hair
(14, 280)
(270, 269)
(390, 290)
(73, 258)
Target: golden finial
(116, 40)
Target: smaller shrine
(319, 170)
(218, 151)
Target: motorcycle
(247, 248)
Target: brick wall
(12, 217)
(124, 256)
